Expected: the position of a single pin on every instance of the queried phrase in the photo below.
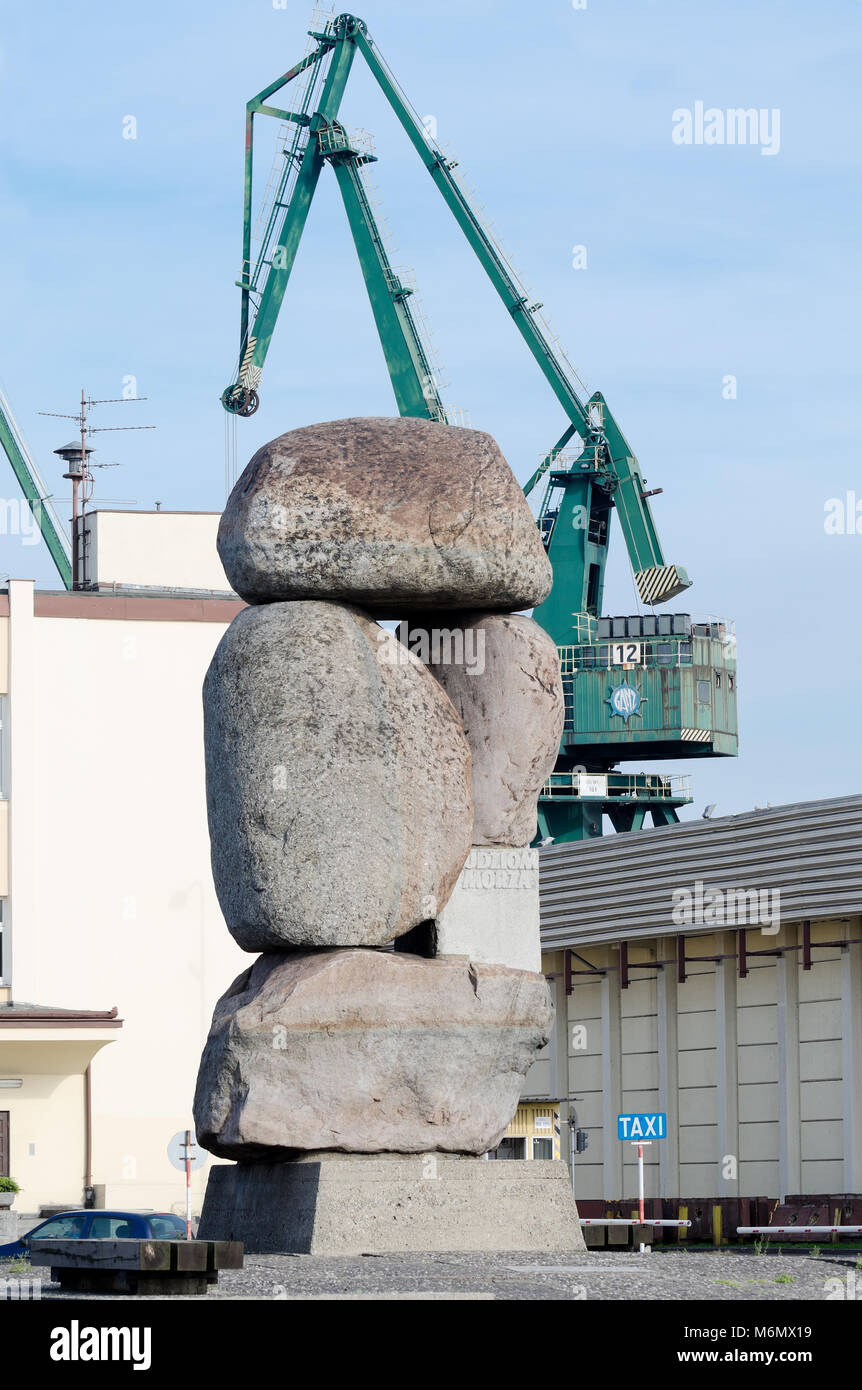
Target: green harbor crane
(644, 686)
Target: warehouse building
(711, 971)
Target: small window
(61, 1228)
(718, 680)
(543, 1148)
(167, 1228)
(113, 1228)
(703, 695)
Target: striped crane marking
(660, 583)
(249, 375)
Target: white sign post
(634, 1128)
(185, 1153)
(641, 1213)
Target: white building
(107, 896)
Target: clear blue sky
(119, 258)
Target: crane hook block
(240, 400)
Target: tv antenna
(77, 459)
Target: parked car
(100, 1225)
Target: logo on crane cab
(625, 701)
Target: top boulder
(400, 515)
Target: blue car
(100, 1225)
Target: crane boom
(407, 360)
(35, 492)
(494, 265)
(664, 581)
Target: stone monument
(371, 799)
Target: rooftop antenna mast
(76, 457)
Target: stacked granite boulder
(349, 783)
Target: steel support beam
(726, 1067)
(612, 1093)
(668, 1075)
(851, 1063)
(789, 1119)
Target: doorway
(4, 1144)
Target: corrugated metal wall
(732, 1055)
(621, 886)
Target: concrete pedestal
(349, 1204)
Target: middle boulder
(338, 781)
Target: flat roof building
(111, 931)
